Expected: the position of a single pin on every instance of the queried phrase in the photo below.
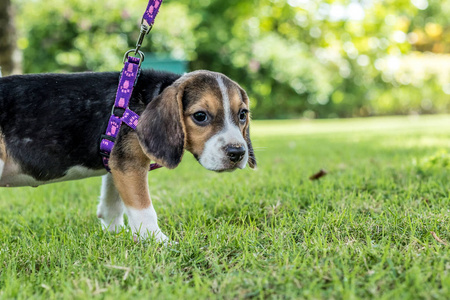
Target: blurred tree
(311, 58)
(8, 61)
(78, 35)
(322, 58)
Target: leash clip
(146, 26)
(145, 29)
(141, 55)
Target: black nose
(235, 153)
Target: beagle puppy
(51, 124)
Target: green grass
(362, 231)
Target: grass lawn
(362, 231)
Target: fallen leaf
(318, 175)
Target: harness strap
(128, 79)
(151, 11)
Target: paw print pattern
(125, 87)
(106, 163)
(130, 71)
(124, 91)
(152, 11)
(126, 83)
(130, 118)
(113, 126)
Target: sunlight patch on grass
(378, 124)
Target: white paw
(157, 235)
(114, 225)
(110, 223)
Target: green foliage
(361, 232)
(439, 162)
(79, 35)
(319, 58)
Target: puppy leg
(2, 154)
(2, 165)
(133, 189)
(110, 209)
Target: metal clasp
(141, 55)
(145, 29)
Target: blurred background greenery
(295, 58)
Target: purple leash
(128, 79)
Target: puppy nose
(235, 153)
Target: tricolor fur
(50, 128)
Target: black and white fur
(50, 128)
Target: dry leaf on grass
(318, 175)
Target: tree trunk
(9, 54)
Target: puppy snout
(235, 153)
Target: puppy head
(203, 112)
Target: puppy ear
(161, 130)
(251, 153)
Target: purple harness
(127, 82)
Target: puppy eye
(243, 115)
(200, 117)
